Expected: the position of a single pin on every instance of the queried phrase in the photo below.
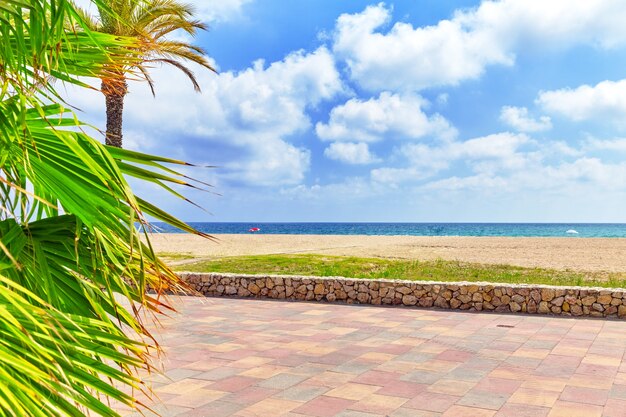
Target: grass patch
(175, 256)
(440, 270)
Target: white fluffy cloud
(487, 155)
(219, 10)
(395, 176)
(246, 115)
(518, 118)
(606, 101)
(385, 117)
(508, 162)
(350, 153)
(408, 58)
(612, 145)
(578, 174)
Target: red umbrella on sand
(254, 230)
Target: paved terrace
(234, 357)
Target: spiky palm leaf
(73, 269)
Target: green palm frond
(75, 257)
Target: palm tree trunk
(114, 91)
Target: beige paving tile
(590, 381)
(196, 398)
(182, 387)
(451, 386)
(379, 404)
(568, 409)
(461, 411)
(535, 397)
(269, 407)
(377, 356)
(250, 362)
(436, 365)
(330, 379)
(531, 353)
(264, 371)
(601, 360)
(352, 391)
(545, 383)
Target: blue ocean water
(415, 229)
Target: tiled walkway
(233, 357)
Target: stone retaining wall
(532, 299)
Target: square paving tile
(324, 406)
(269, 407)
(430, 401)
(462, 411)
(518, 410)
(484, 399)
(353, 391)
(540, 398)
(585, 395)
(233, 384)
(282, 381)
(402, 389)
(379, 404)
(569, 409)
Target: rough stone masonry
(531, 299)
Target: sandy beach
(581, 254)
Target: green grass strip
(372, 268)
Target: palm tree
(73, 276)
(150, 21)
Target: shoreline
(564, 253)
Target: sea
(573, 230)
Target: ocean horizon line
(617, 230)
(381, 222)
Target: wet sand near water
(580, 254)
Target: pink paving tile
(430, 401)
(233, 384)
(215, 409)
(378, 404)
(394, 349)
(455, 355)
(323, 406)
(569, 409)
(498, 385)
(249, 395)
(505, 346)
(322, 337)
(377, 378)
(517, 410)
(615, 408)
(462, 411)
(355, 350)
(292, 360)
(597, 370)
(236, 354)
(276, 353)
(402, 389)
(333, 358)
(584, 395)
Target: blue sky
(508, 111)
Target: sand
(580, 254)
